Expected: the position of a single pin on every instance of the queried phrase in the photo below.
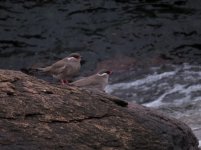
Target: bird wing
(87, 81)
(58, 67)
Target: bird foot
(63, 82)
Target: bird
(96, 81)
(64, 69)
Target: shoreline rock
(37, 115)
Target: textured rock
(37, 115)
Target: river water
(152, 46)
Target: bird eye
(108, 72)
(76, 56)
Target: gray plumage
(97, 81)
(64, 69)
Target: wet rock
(39, 115)
(45, 31)
(117, 64)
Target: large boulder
(37, 115)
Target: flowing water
(173, 89)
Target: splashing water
(178, 85)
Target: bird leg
(63, 82)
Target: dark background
(106, 32)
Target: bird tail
(46, 69)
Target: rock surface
(37, 115)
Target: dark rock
(40, 32)
(38, 115)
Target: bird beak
(109, 72)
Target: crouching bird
(64, 69)
(97, 81)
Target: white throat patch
(103, 74)
(71, 58)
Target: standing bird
(97, 81)
(64, 69)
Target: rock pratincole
(64, 69)
(97, 81)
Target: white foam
(185, 78)
(193, 88)
(147, 80)
(187, 66)
(196, 128)
(197, 99)
(158, 102)
(179, 89)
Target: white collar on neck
(102, 74)
(71, 58)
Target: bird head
(75, 56)
(104, 72)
